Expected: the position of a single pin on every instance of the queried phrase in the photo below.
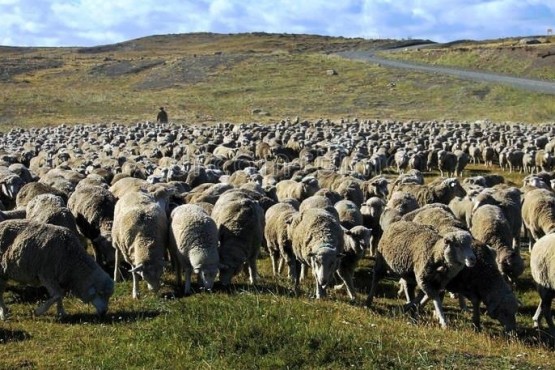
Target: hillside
(244, 77)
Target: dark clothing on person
(162, 116)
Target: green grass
(263, 327)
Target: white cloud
(93, 22)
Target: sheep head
(324, 261)
(457, 249)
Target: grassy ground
(264, 327)
(207, 78)
(501, 56)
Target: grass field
(202, 78)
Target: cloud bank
(96, 22)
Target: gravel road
(539, 86)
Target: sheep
(538, 213)
(317, 241)
(51, 209)
(349, 214)
(93, 208)
(319, 201)
(51, 256)
(508, 199)
(543, 273)
(421, 256)
(437, 215)
(399, 204)
(484, 283)
(240, 222)
(279, 246)
(490, 226)
(194, 235)
(447, 161)
(371, 212)
(297, 190)
(356, 241)
(139, 235)
(438, 191)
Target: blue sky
(98, 22)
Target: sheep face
(99, 292)
(208, 276)
(324, 262)
(455, 187)
(458, 249)
(151, 272)
(505, 312)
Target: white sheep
(317, 241)
(139, 235)
(421, 256)
(194, 235)
(51, 256)
(542, 267)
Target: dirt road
(539, 86)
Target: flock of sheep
(312, 194)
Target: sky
(100, 22)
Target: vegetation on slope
(207, 78)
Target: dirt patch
(119, 68)
(11, 67)
(188, 70)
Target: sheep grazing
(438, 191)
(317, 240)
(490, 226)
(543, 272)
(421, 256)
(194, 235)
(279, 246)
(51, 256)
(139, 235)
(240, 222)
(93, 209)
(484, 283)
(538, 213)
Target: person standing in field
(162, 116)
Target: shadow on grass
(110, 318)
(7, 336)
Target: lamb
(277, 218)
(297, 190)
(51, 256)
(484, 283)
(371, 212)
(490, 226)
(438, 191)
(194, 235)
(139, 235)
(538, 213)
(317, 240)
(93, 208)
(421, 256)
(240, 222)
(543, 273)
(356, 241)
(349, 214)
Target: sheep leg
(3, 308)
(545, 304)
(476, 314)
(56, 296)
(320, 291)
(347, 276)
(274, 257)
(175, 263)
(253, 271)
(188, 273)
(135, 293)
(538, 317)
(439, 311)
(117, 258)
(296, 272)
(281, 261)
(378, 273)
